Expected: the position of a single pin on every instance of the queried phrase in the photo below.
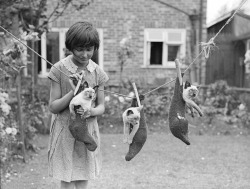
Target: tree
(125, 53)
(27, 20)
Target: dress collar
(70, 66)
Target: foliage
(36, 114)
(8, 130)
(221, 100)
(158, 104)
(155, 104)
(34, 15)
(125, 51)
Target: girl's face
(81, 55)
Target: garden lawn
(164, 162)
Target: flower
(107, 98)
(241, 107)
(131, 95)
(14, 131)
(8, 130)
(5, 108)
(121, 99)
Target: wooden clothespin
(79, 83)
(136, 94)
(177, 64)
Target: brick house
(160, 30)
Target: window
(163, 46)
(52, 50)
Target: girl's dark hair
(82, 34)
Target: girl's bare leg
(81, 184)
(67, 185)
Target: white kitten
(131, 116)
(84, 99)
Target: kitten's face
(133, 117)
(190, 91)
(88, 93)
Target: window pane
(173, 52)
(52, 41)
(156, 53)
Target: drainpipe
(194, 43)
(195, 36)
(202, 80)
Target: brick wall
(117, 18)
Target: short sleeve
(54, 73)
(103, 77)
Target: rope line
(229, 20)
(205, 48)
(115, 93)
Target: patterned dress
(69, 159)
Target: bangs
(82, 35)
(86, 38)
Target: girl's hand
(85, 113)
(74, 77)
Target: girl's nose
(84, 54)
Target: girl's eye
(79, 49)
(89, 49)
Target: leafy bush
(220, 99)
(8, 130)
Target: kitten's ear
(96, 87)
(187, 84)
(129, 112)
(85, 84)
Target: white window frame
(161, 35)
(62, 32)
(247, 66)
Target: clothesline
(206, 48)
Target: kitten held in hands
(78, 126)
(83, 99)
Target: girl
(69, 160)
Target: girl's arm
(57, 103)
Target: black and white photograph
(115, 94)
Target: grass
(164, 162)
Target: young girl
(69, 160)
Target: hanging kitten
(141, 134)
(182, 98)
(83, 99)
(189, 93)
(131, 116)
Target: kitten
(131, 116)
(83, 99)
(189, 93)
